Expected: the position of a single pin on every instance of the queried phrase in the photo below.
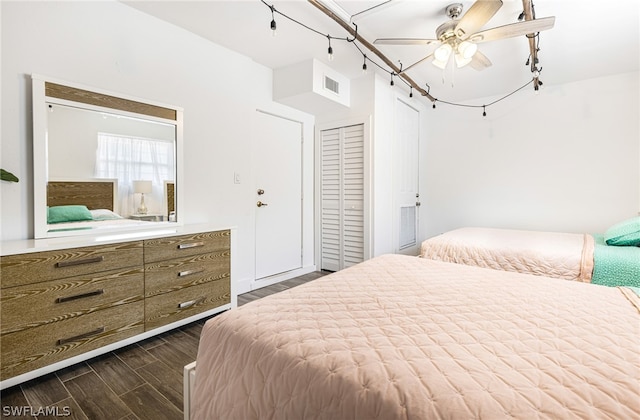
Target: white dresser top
(52, 244)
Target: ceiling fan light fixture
(461, 61)
(440, 64)
(442, 53)
(467, 49)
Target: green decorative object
(8, 176)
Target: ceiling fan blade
(476, 17)
(416, 63)
(480, 61)
(404, 41)
(514, 29)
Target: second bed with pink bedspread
(553, 254)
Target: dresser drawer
(37, 347)
(22, 269)
(167, 276)
(170, 307)
(57, 300)
(186, 245)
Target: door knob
(260, 204)
(260, 191)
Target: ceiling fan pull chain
(453, 67)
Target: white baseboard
(277, 278)
(247, 284)
(244, 285)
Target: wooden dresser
(67, 304)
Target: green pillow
(626, 233)
(73, 213)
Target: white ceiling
(590, 38)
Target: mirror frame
(48, 90)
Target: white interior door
(277, 157)
(406, 168)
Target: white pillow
(104, 214)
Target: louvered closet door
(342, 195)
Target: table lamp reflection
(142, 187)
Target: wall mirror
(103, 162)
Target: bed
(84, 205)
(581, 257)
(402, 337)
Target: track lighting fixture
(273, 22)
(463, 52)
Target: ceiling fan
(459, 36)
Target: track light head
(273, 21)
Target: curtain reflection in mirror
(130, 158)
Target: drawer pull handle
(79, 262)
(80, 296)
(189, 272)
(190, 303)
(191, 245)
(80, 336)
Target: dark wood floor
(140, 381)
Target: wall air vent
(332, 85)
(311, 86)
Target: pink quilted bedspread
(552, 254)
(400, 337)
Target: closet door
(342, 197)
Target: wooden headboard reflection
(170, 196)
(95, 194)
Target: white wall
(114, 47)
(565, 159)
